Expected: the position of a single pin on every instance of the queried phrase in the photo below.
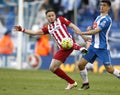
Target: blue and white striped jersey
(100, 40)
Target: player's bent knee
(52, 68)
(81, 66)
(109, 69)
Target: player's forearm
(91, 32)
(76, 30)
(32, 32)
(29, 32)
(20, 29)
(84, 38)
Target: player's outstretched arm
(78, 31)
(20, 29)
(92, 32)
(75, 28)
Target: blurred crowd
(85, 9)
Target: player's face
(51, 17)
(104, 8)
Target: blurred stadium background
(80, 12)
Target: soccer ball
(67, 43)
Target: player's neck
(103, 14)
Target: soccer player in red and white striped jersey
(57, 28)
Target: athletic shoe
(119, 76)
(83, 50)
(84, 86)
(70, 86)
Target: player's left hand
(83, 50)
(18, 28)
(89, 28)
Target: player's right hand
(18, 28)
(89, 28)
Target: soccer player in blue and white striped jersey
(99, 46)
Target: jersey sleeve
(64, 20)
(45, 30)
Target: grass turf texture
(43, 82)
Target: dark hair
(106, 1)
(50, 10)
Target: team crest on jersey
(103, 23)
(54, 28)
(95, 25)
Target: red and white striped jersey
(58, 30)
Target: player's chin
(52, 22)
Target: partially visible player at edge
(99, 46)
(57, 29)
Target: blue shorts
(102, 54)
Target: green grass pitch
(43, 82)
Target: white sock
(116, 73)
(84, 75)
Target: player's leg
(83, 50)
(58, 59)
(113, 71)
(116, 72)
(83, 73)
(105, 56)
(54, 67)
(90, 57)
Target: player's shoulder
(107, 18)
(61, 17)
(64, 19)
